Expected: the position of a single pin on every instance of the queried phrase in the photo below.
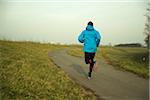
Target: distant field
(131, 59)
(26, 73)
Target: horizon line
(83, 1)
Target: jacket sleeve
(98, 38)
(81, 37)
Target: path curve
(107, 82)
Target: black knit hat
(90, 23)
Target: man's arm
(98, 38)
(81, 37)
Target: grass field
(27, 73)
(135, 60)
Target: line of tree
(129, 45)
(147, 26)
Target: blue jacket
(91, 39)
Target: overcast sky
(118, 21)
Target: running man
(91, 39)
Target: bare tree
(147, 26)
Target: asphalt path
(107, 82)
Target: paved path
(107, 82)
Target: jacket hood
(89, 28)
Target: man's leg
(91, 61)
(86, 57)
(91, 67)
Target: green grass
(27, 73)
(134, 60)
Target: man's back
(91, 38)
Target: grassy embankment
(132, 59)
(26, 72)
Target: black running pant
(89, 60)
